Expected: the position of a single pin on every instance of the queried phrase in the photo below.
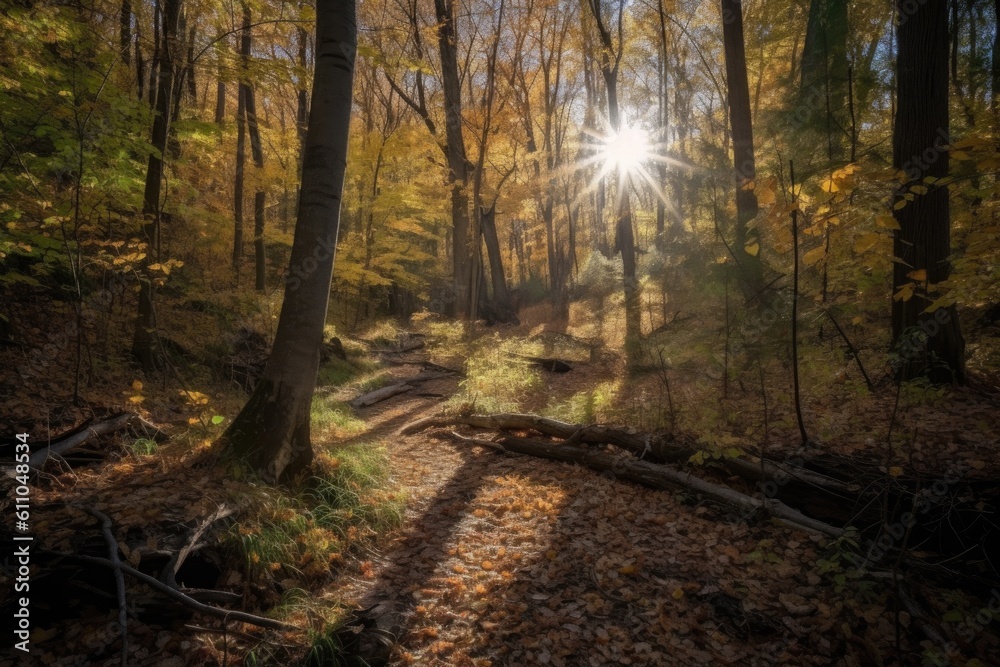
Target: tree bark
(241, 122)
(271, 433)
(125, 32)
(927, 343)
(824, 75)
(145, 347)
(257, 151)
(501, 295)
(458, 164)
(741, 124)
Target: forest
(474, 333)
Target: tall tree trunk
(928, 343)
(248, 99)
(501, 295)
(241, 122)
(824, 76)
(125, 32)
(192, 87)
(220, 101)
(271, 433)
(458, 164)
(145, 347)
(741, 123)
(140, 64)
(154, 66)
(260, 196)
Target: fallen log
(657, 477)
(373, 397)
(62, 445)
(654, 447)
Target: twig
(852, 349)
(76, 439)
(183, 599)
(109, 537)
(177, 560)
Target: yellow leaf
(898, 205)
(857, 320)
(943, 302)
(753, 249)
(905, 293)
(886, 221)
(919, 189)
(765, 197)
(136, 385)
(813, 256)
(487, 565)
(918, 275)
(678, 593)
(865, 241)
(628, 569)
(895, 471)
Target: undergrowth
(292, 539)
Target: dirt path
(506, 560)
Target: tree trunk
(741, 123)
(824, 75)
(154, 66)
(257, 151)
(458, 163)
(140, 65)
(241, 122)
(271, 433)
(501, 295)
(220, 99)
(192, 87)
(928, 343)
(145, 346)
(125, 32)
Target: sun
(626, 151)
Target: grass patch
(335, 417)
(292, 539)
(496, 379)
(337, 372)
(144, 447)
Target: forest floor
(510, 560)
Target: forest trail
(508, 560)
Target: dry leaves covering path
(506, 560)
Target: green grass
(496, 379)
(144, 447)
(337, 372)
(300, 535)
(330, 415)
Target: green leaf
(218, 419)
